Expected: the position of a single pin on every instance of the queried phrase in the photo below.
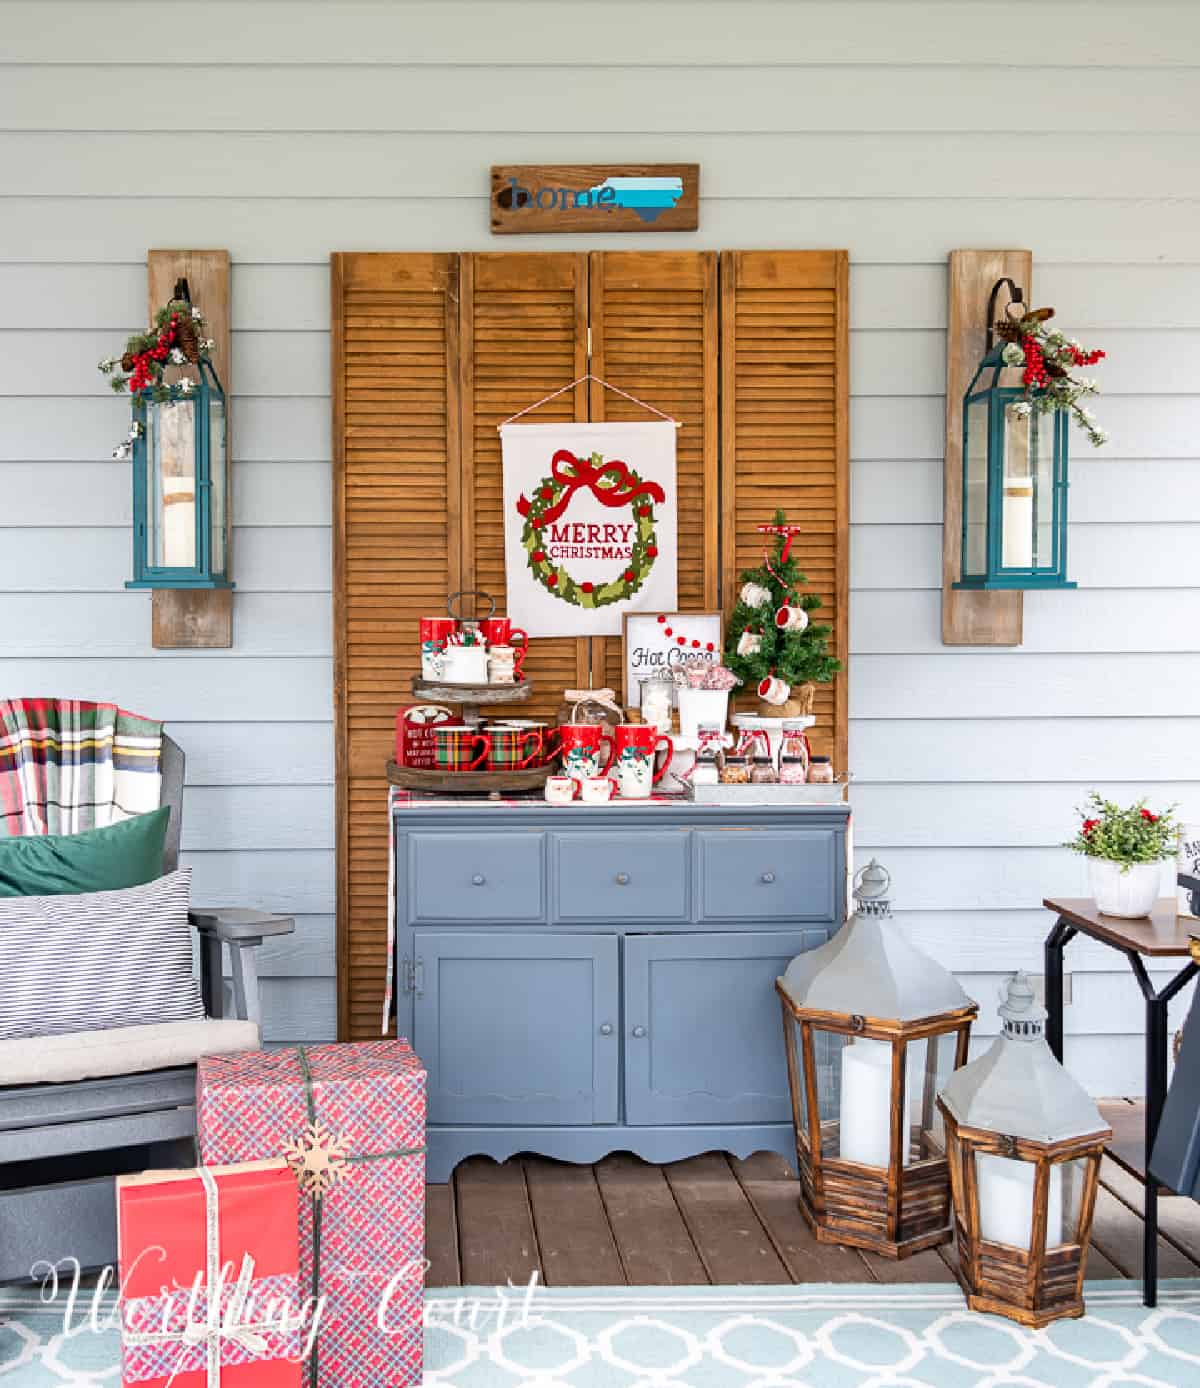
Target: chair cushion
(89, 1055)
(105, 959)
(124, 854)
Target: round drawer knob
(768, 878)
(639, 1032)
(606, 1029)
(478, 880)
(622, 879)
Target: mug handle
(486, 739)
(537, 749)
(549, 750)
(612, 754)
(662, 770)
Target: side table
(1161, 935)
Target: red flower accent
(552, 581)
(651, 551)
(643, 511)
(586, 587)
(1149, 818)
(538, 556)
(629, 575)
(547, 493)
(1089, 825)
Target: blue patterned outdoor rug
(717, 1337)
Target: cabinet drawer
(605, 877)
(767, 874)
(476, 877)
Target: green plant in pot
(1125, 849)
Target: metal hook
(1016, 296)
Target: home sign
(595, 197)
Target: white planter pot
(697, 706)
(1130, 893)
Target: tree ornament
(773, 690)
(754, 595)
(749, 642)
(791, 617)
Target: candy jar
(793, 771)
(657, 693)
(762, 772)
(735, 771)
(820, 771)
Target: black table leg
(1058, 939)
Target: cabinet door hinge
(412, 976)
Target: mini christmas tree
(770, 643)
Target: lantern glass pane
(975, 488)
(1043, 490)
(1074, 1174)
(827, 1047)
(171, 451)
(928, 1065)
(1006, 1188)
(1017, 538)
(216, 446)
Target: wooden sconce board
(972, 618)
(197, 618)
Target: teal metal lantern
(180, 500)
(1014, 503)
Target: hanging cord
(588, 376)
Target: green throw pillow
(126, 854)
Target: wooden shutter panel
(524, 334)
(785, 434)
(396, 555)
(654, 334)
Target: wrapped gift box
(182, 1233)
(352, 1118)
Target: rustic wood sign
(595, 197)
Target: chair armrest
(243, 930)
(239, 924)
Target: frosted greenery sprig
(1129, 835)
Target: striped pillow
(100, 960)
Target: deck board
(711, 1219)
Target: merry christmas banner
(589, 524)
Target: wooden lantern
(1024, 1144)
(872, 1029)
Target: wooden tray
(468, 782)
(441, 691)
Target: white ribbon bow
(604, 698)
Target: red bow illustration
(573, 473)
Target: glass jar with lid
(762, 771)
(735, 770)
(793, 771)
(820, 771)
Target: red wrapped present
(351, 1120)
(415, 742)
(210, 1285)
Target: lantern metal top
(869, 969)
(1017, 1087)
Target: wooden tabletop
(1162, 933)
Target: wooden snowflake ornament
(318, 1157)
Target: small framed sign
(595, 197)
(653, 641)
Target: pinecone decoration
(186, 338)
(127, 362)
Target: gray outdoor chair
(77, 1111)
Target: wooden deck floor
(710, 1219)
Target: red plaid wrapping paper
(364, 1239)
(167, 1259)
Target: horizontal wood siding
(889, 128)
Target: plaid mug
(513, 749)
(456, 745)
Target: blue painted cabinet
(587, 979)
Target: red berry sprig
(1035, 363)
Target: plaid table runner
(67, 766)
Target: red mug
(499, 631)
(435, 633)
(637, 746)
(579, 746)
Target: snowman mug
(636, 746)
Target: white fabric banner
(589, 524)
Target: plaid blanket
(67, 766)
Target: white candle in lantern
(1006, 1201)
(1017, 550)
(177, 465)
(866, 1112)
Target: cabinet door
(518, 1028)
(703, 1037)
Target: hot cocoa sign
(590, 524)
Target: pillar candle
(1017, 550)
(1006, 1201)
(866, 1113)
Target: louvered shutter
(654, 334)
(524, 334)
(784, 433)
(396, 555)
